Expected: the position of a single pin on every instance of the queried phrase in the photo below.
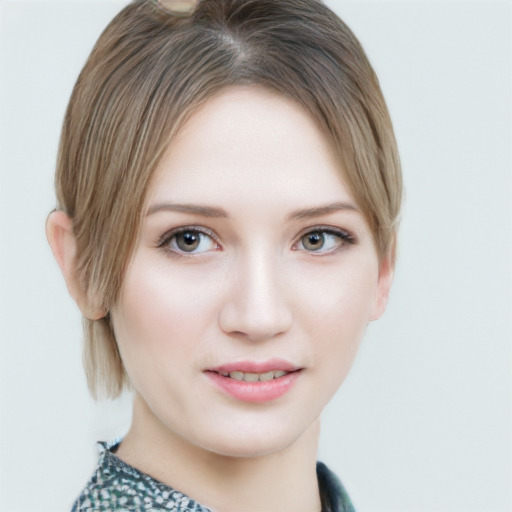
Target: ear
(386, 273)
(59, 232)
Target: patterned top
(117, 486)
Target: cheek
(337, 310)
(340, 296)
(162, 313)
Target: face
(253, 280)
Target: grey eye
(324, 240)
(188, 241)
(313, 241)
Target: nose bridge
(256, 304)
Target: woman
(228, 193)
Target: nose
(255, 305)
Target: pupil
(188, 241)
(189, 238)
(313, 241)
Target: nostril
(255, 304)
(254, 324)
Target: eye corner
(328, 239)
(195, 241)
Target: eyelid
(164, 239)
(345, 235)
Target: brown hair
(145, 76)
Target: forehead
(252, 144)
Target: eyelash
(345, 238)
(167, 238)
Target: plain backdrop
(423, 422)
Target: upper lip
(247, 366)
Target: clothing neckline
(126, 488)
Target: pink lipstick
(251, 381)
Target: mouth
(253, 381)
(254, 377)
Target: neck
(284, 480)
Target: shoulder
(118, 486)
(333, 495)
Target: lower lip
(254, 391)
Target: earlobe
(60, 236)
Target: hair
(149, 71)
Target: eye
(323, 240)
(189, 241)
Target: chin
(253, 441)
(248, 447)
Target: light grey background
(423, 422)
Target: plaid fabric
(117, 486)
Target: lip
(255, 392)
(256, 366)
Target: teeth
(266, 376)
(255, 377)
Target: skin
(286, 271)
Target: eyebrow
(213, 211)
(318, 211)
(205, 211)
